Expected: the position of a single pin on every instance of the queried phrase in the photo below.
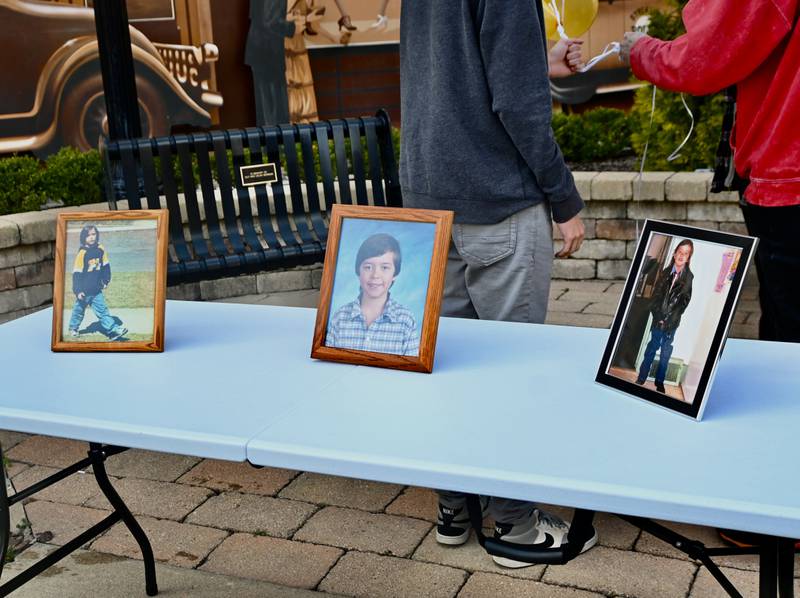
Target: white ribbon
(609, 50)
(677, 153)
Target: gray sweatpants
(500, 272)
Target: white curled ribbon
(677, 153)
(609, 50)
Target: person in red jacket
(753, 45)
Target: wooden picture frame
(358, 237)
(686, 313)
(122, 270)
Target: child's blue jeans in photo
(659, 340)
(100, 309)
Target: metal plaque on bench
(258, 174)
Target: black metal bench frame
(288, 226)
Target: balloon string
(609, 50)
(638, 193)
(677, 153)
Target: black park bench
(253, 199)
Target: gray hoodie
(476, 110)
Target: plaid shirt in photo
(394, 331)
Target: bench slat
(274, 225)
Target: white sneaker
(453, 524)
(543, 530)
(380, 24)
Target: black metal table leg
(768, 568)
(786, 550)
(98, 454)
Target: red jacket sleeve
(725, 41)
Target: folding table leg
(768, 568)
(786, 550)
(98, 454)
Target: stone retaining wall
(616, 206)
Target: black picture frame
(627, 322)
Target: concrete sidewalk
(226, 529)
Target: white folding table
(510, 410)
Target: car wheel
(83, 116)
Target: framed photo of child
(110, 281)
(674, 315)
(382, 286)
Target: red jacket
(754, 44)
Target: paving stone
(14, 468)
(9, 233)
(600, 249)
(605, 209)
(9, 440)
(150, 465)
(73, 490)
(279, 282)
(608, 570)
(372, 576)
(25, 254)
(31, 274)
(25, 297)
(603, 309)
(13, 315)
(36, 227)
(614, 186)
(583, 286)
(7, 279)
(715, 211)
(88, 573)
(178, 544)
(283, 562)
(487, 585)
(469, 556)
(49, 451)
(304, 298)
(341, 492)
(567, 306)
(228, 287)
(613, 269)
(63, 521)
(583, 182)
(419, 503)
(573, 269)
(705, 586)
(724, 196)
(674, 212)
(745, 330)
(368, 532)
(598, 296)
(238, 477)
(251, 513)
(651, 185)
(587, 320)
(688, 186)
(616, 229)
(184, 292)
(157, 499)
(316, 278)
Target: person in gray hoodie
(476, 138)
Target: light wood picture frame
(109, 285)
(382, 284)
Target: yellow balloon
(577, 17)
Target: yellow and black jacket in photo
(91, 271)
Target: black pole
(116, 64)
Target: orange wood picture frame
(156, 343)
(443, 221)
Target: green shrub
(74, 177)
(599, 134)
(20, 184)
(671, 122)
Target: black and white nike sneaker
(453, 524)
(542, 530)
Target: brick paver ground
(298, 533)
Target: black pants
(778, 267)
